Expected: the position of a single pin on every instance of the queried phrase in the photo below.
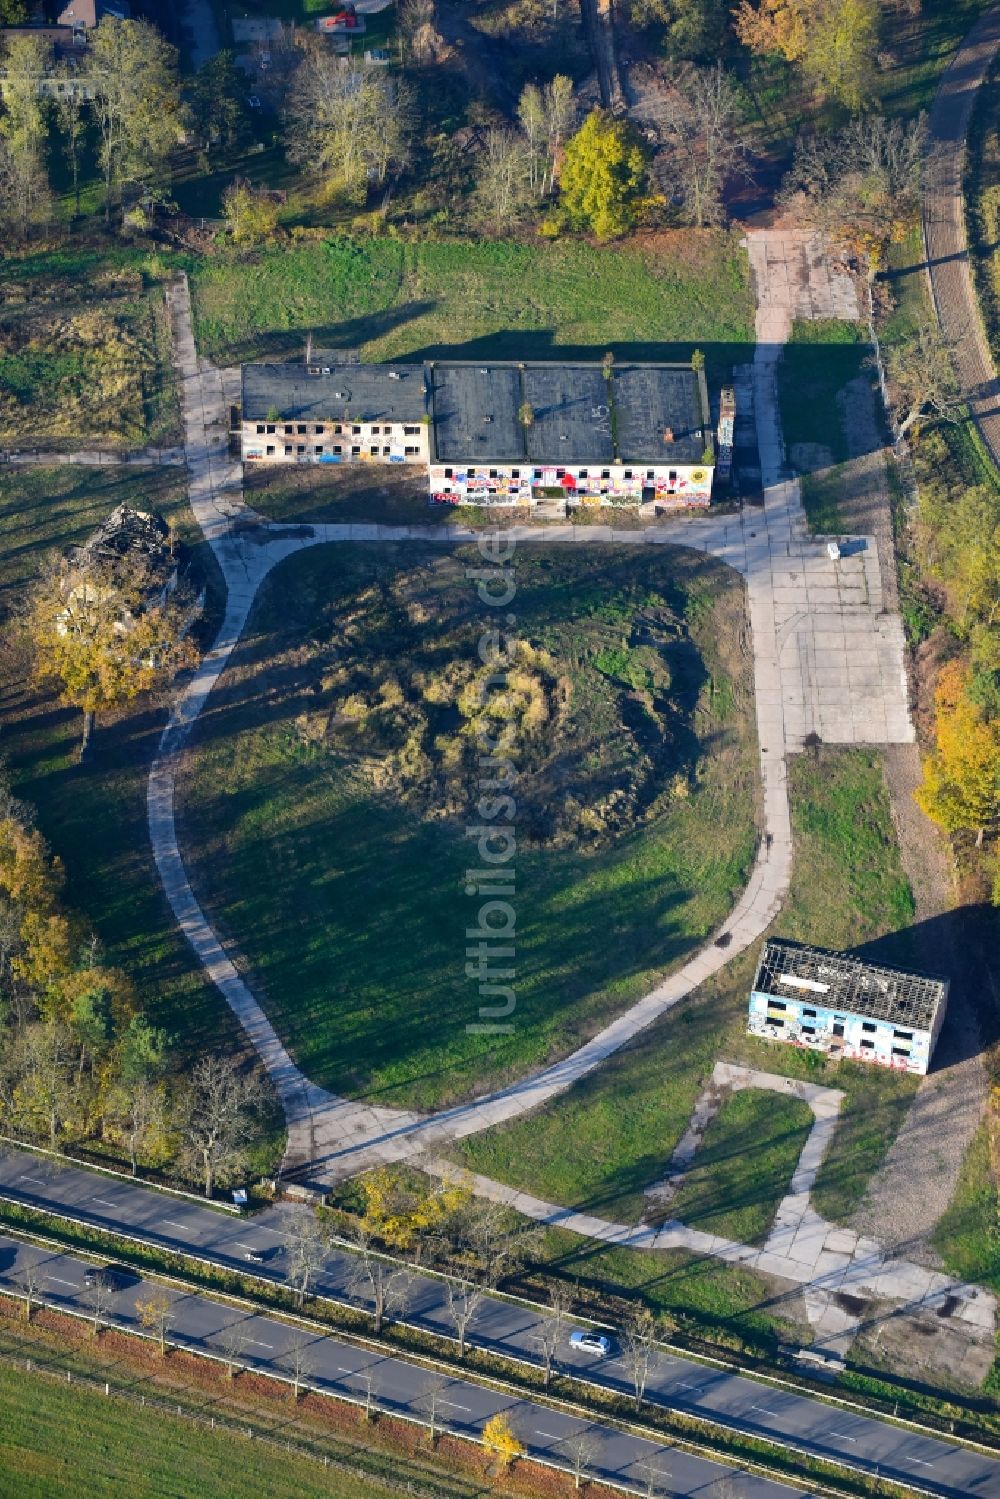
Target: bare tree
(703, 145)
(431, 1401)
(464, 1300)
(581, 1449)
(370, 1275)
(657, 1479)
(343, 122)
(547, 115)
(29, 1280)
(307, 1247)
(155, 1312)
(98, 1298)
(137, 1113)
(552, 1327)
(922, 380)
(219, 1117)
(418, 34)
(299, 1364)
(233, 1342)
(504, 178)
(859, 185)
(638, 1339)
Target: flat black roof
(839, 982)
(578, 414)
(571, 411)
(658, 414)
(475, 411)
(366, 392)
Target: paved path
(98, 458)
(951, 279)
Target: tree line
(79, 1060)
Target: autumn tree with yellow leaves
(104, 634)
(500, 1439)
(961, 786)
(398, 1210)
(832, 41)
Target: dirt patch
(946, 1353)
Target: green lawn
(58, 1440)
(94, 815)
(472, 299)
(349, 903)
(744, 1165)
(599, 1145)
(968, 1236)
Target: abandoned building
(134, 539)
(845, 1007)
(499, 434)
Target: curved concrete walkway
(952, 285)
(826, 659)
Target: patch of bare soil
(929, 1345)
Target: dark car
(115, 1277)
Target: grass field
(94, 815)
(64, 1441)
(968, 1236)
(473, 299)
(338, 865)
(85, 353)
(599, 1145)
(744, 1165)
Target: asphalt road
(180, 1224)
(394, 1386)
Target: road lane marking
(172, 1223)
(34, 1181)
(919, 1460)
(455, 1405)
(841, 1436)
(549, 1436)
(680, 1385)
(74, 1283)
(257, 1343)
(103, 1201)
(765, 1412)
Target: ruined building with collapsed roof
(845, 1007)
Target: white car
(590, 1342)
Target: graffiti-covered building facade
(518, 434)
(845, 1007)
(495, 435)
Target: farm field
(61, 1441)
(601, 1144)
(472, 299)
(325, 804)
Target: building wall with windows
(844, 1007)
(334, 442)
